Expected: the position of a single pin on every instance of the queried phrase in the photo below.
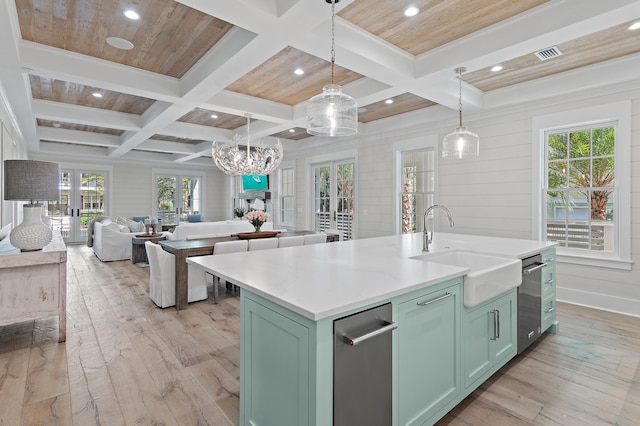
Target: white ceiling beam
(78, 137)
(68, 113)
(194, 131)
(82, 69)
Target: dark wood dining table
(182, 249)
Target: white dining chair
(162, 278)
(263, 244)
(226, 247)
(294, 241)
(315, 239)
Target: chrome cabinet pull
(498, 334)
(353, 341)
(495, 325)
(437, 299)
(533, 268)
(550, 309)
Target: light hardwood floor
(128, 362)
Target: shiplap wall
(492, 195)
(131, 191)
(11, 148)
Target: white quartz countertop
(323, 280)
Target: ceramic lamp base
(32, 234)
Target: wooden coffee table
(138, 250)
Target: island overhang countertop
(323, 280)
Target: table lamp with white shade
(33, 181)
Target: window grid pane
(418, 187)
(287, 198)
(581, 188)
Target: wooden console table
(33, 285)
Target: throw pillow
(135, 226)
(114, 227)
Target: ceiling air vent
(548, 53)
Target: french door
(82, 198)
(178, 195)
(334, 197)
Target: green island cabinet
(428, 354)
(491, 337)
(549, 290)
(441, 352)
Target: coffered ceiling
(197, 67)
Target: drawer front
(548, 281)
(548, 311)
(549, 256)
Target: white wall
(12, 147)
(131, 192)
(491, 195)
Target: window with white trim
(581, 187)
(418, 187)
(582, 181)
(286, 193)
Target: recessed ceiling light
(298, 71)
(120, 43)
(411, 11)
(388, 101)
(97, 95)
(292, 130)
(214, 116)
(56, 125)
(634, 26)
(496, 68)
(131, 14)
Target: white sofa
(224, 227)
(111, 240)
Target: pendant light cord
(460, 95)
(459, 71)
(333, 41)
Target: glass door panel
(91, 201)
(167, 206)
(82, 198)
(178, 196)
(334, 209)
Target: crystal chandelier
(240, 158)
(332, 113)
(461, 142)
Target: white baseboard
(599, 301)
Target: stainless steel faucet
(426, 239)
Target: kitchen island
(291, 296)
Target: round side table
(138, 251)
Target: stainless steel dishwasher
(362, 368)
(530, 302)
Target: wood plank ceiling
(196, 67)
